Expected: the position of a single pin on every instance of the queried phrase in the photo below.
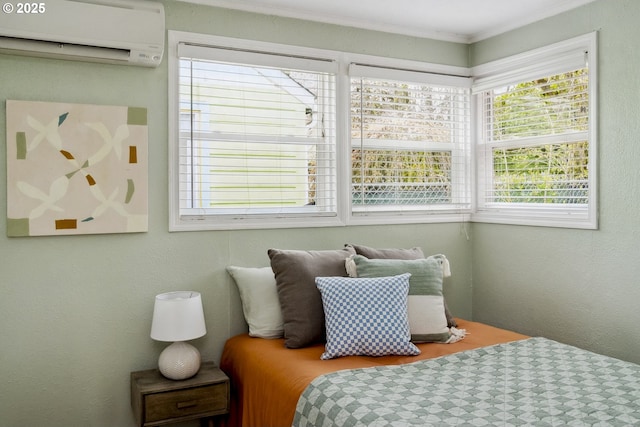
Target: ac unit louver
(114, 31)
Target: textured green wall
(578, 286)
(75, 311)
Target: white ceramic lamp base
(179, 361)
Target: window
(264, 135)
(256, 136)
(410, 142)
(261, 136)
(536, 140)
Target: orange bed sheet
(267, 379)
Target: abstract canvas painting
(76, 169)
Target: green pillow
(427, 320)
(399, 253)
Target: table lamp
(178, 317)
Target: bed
(276, 386)
(268, 379)
(363, 337)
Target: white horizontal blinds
(409, 141)
(256, 138)
(537, 132)
(525, 69)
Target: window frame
(178, 222)
(344, 215)
(459, 148)
(548, 60)
(221, 138)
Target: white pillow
(260, 304)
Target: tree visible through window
(534, 112)
(405, 139)
(536, 151)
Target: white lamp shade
(178, 316)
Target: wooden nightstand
(157, 400)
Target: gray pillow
(393, 253)
(374, 253)
(300, 300)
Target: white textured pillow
(366, 317)
(260, 304)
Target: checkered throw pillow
(366, 316)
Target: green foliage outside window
(534, 112)
(394, 116)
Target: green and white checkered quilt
(533, 382)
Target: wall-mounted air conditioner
(114, 31)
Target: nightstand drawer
(207, 400)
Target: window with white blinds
(536, 155)
(410, 142)
(256, 134)
(265, 135)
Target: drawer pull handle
(185, 405)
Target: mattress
(267, 379)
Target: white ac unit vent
(113, 31)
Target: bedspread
(529, 382)
(267, 379)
